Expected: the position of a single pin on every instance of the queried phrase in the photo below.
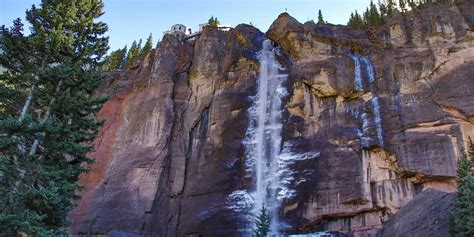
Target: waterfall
(263, 142)
(368, 122)
(357, 73)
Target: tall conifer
(461, 221)
(262, 223)
(133, 54)
(320, 17)
(147, 47)
(46, 129)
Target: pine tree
(370, 18)
(213, 22)
(320, 17)
(350, 23)
(122, 58)
(403, 5)
(262, 223)
(461, 221)
(375, 19)
(46, 128)
(147, 47)
(391, 6)
(110, 61)
(366, 17)
(116, 60)
(13, 89)
(133, 54)
(356, 21)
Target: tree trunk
(34, 147)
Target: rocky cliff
(369, 121)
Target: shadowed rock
(367, 128)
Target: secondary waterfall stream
(264, 134)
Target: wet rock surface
(369, 130)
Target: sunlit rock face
(367, 123)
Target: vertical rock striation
(369, 124)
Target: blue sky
(130, 20)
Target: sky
(130, 20)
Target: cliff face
(375, 117)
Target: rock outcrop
(384, 113)
(425, 215)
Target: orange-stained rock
(171, 150)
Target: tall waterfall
(263, 141)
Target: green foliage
(262, 223)
(403, 5)
(356, 21)
(320, 17)
(461, 221)
(123, 59)
(373, 16)
(147, 47)
(116, 60)
(213, 22)
(133, 54)
(416, 4)
(387, 7)
(46, 110)
(370, 18)
(388, 46)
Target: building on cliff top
(186, 33)
(177, 29)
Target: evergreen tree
(13, 89)
(461, 221)
(350, 23)
(370, 18)
(366, 17)
(403, 5)
(116, 60)
(213, 22)
(46, 127)
(374, 19)
(356, 21)
(262, 223)
(133, 54)
(122, 58)
(147, 47)
(386, 7)
(391, 6)
(320, 17)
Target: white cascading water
(367, 122)
(264, 134)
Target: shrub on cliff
(461, 221)
(46, 113)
